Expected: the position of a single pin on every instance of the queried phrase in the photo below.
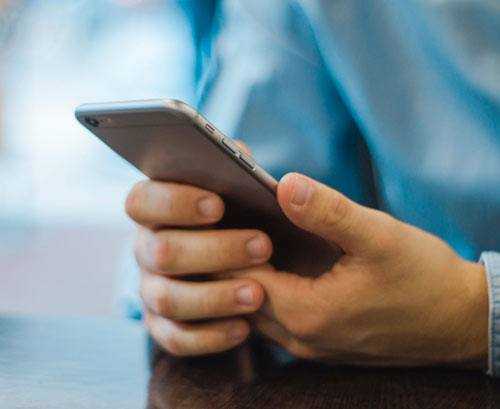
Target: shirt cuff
(491, 261)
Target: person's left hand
(399, 296)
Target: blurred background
(63, 234)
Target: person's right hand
(175, 241)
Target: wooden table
(104, 363)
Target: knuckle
(134, 199)
(336, 212)
(161, 255)
(166, 305)
(164, 256)
(161, 303)
(138, 250)
(147, 322)
(172, 345)
(143, 290)
(385, 239)
(342, 313)
(305, 327)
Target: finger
(277, 333)
(271, 329)
(243, 147)
(329, 214)
(189, 339)
(153, 203)
(176, 252)
(289, 297)
(185, 300)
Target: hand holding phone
(169, 141)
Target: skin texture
(398, 297)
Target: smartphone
(168, 140)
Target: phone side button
(230, 145)
(247, 161)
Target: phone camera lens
(92, 122)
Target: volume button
(231, 146)
(247, 161)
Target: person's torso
(397, 104)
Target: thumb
(289, 297)
(327, 213)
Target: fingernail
(238, 333)
(208, 207)
(244, 295)
(301, 191)
(257, 248)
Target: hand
(176, 241)
(399, 296)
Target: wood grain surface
(106, 363)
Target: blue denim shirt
(394, 103)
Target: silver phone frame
(178, 107)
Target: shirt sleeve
(277, 95)
(491, 261)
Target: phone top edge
(173, 105)
(177, 108)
